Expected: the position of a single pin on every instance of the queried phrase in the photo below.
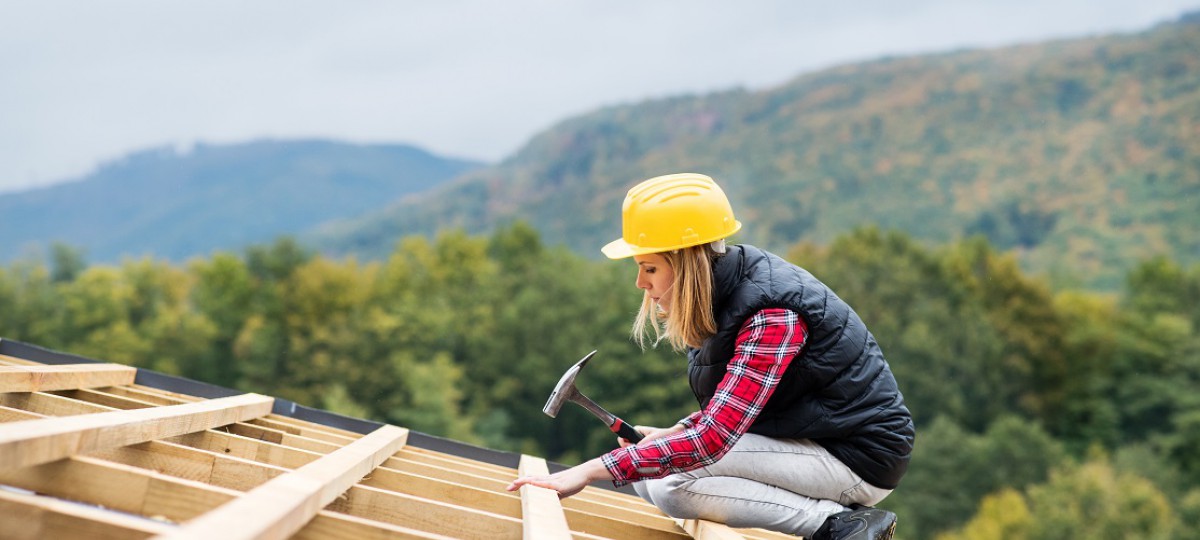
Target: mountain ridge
(1071, 153)
(176, 204)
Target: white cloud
(83, 82)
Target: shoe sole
(887, 535)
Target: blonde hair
(690, 320)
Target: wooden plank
(36, 517)
(399, 463)
(608, 518)
(541, 513)
(50, 404)
(240, 472)
(65, 377)
(459, 485)
(476, 513)
(246, 448)
(333, 526)
(14, 361)
(288, 427)
(30, 442)
(314, 426)
(174, 395)
(193, 464)
(249, 430)
(425, 453)
(149, 493)
(608, 496)
(134, 393)
(283, 505)
(103, 398)
(369, 500)
(463, 471)
(496, 501)
(708, 530)
(624, 511)
(299, 442)
(119, 487)
(491, 497)
(453, 462)
(439, 517)
(763, 534)
(307, 429)
(607, 526)
(8, 414)
(216, 441)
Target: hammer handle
(625, 430)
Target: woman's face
(655, 277)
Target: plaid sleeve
(765, 346)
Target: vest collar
(727, 271)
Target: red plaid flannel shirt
(765, 346)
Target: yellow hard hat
(671, 212)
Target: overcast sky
(83, 82)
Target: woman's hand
(568, 482)
(651, 433)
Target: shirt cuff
(613, 463)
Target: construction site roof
(96, 450)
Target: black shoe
(858, 523)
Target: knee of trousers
(671, 495)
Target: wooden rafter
(30, 442)
(284, 504)
(64, 377)
(108, 458)
(707, 530)
(45, 517)
(540, 510)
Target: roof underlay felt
(97, 450)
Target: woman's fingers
(531, 480)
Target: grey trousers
(784, 485)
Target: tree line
(1040, 413)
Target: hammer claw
(566, 391)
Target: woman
(801, 426)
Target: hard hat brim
(620, 249)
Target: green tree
(67, 262)
(1003, 515)
(1091, 500)
(1094, 501)
(225, 293)
(33, 305)
(952, 470)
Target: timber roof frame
(96, 450)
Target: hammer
(565, 391)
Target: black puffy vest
(838, 392)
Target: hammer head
(565, 390)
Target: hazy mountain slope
(175, 205)
(1081, 155)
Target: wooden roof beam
(30, 442)
(64, 377)
(45, 517)
(541, 513)
(149, 493)
(709, 530)
(284, 504)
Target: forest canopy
(1025, 398)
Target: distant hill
(175, 204)
(1079, 155)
